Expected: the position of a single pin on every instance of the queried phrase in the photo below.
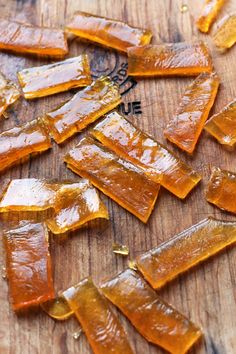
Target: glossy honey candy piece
(222, 125)
(125, 183)
(9, 93)
(57, 308)
(154, 319)
(186, 126)
(28, 39)
(185, 250)
(209, 13)
(107, 32)
(102, 328)
(171, 59)
(75, 205)
(53, 78)
(28, 264)
(156, 161)
(83, 109)
(19, 142)
(221, 189)
(225, 36)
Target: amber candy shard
(209, 14)
(53, 78)
(182, 252)
(222, 125)
(58, 309)
(83, 109)
(183, 59)
(156, 161)
(125, 183)
(19, 142)
(110, 33)
(221, 189)
(225, 37)
(186, 126)
(9, 93)
(28, 264)
(156, 320)
(102, 328)
(24, 38)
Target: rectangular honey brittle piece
(53, 78)
(156, 320)
(110, 33)
(28, 264)
(209, 13)
(125, 183)
(225, 36)
(9, 93)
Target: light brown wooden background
(206, 294)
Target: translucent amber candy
(209, 14)
(181, 59)
(108, 32)
(156, 320)
(186, 126)
(58, 309)
(21, 141)
(175, 256)
(9, 93)
(225, 36)
(83, 109)
(24, 38)
(158, 163)
(53, 78)
(28, 264)
(221, 189)
(222, 125)
(102, 328)
(125, 183)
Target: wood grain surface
(206, 294)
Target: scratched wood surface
(206, 294)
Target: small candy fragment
(28, 264)
(132, 265)
(186, 126)
(209, 14)
(120, 249)
(21, 141)
(190, 247)
(102, 328)
(125, 183)
(9, 93)
(222, 125)
(110, 33)
(182, 59)
(221, 189)
(156, 161)
(225, 37)
(53, 78)
(57, 308)
(156, 320)
(83, 109)
(24, 38)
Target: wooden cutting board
(206, 294)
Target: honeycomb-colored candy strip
(156, 161)
(225, 37)
(58, 309)
(110, 33)
(53, 78)
(24, 38)
(9, 93)
(28, 264)
(102, 328)
(83, 109)
(222, 125)
(186, 126)
(221, 189)
(125, 183)
(19, 142)
(209, 13)
(175, 256)
(174, 59)
(156, 320)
